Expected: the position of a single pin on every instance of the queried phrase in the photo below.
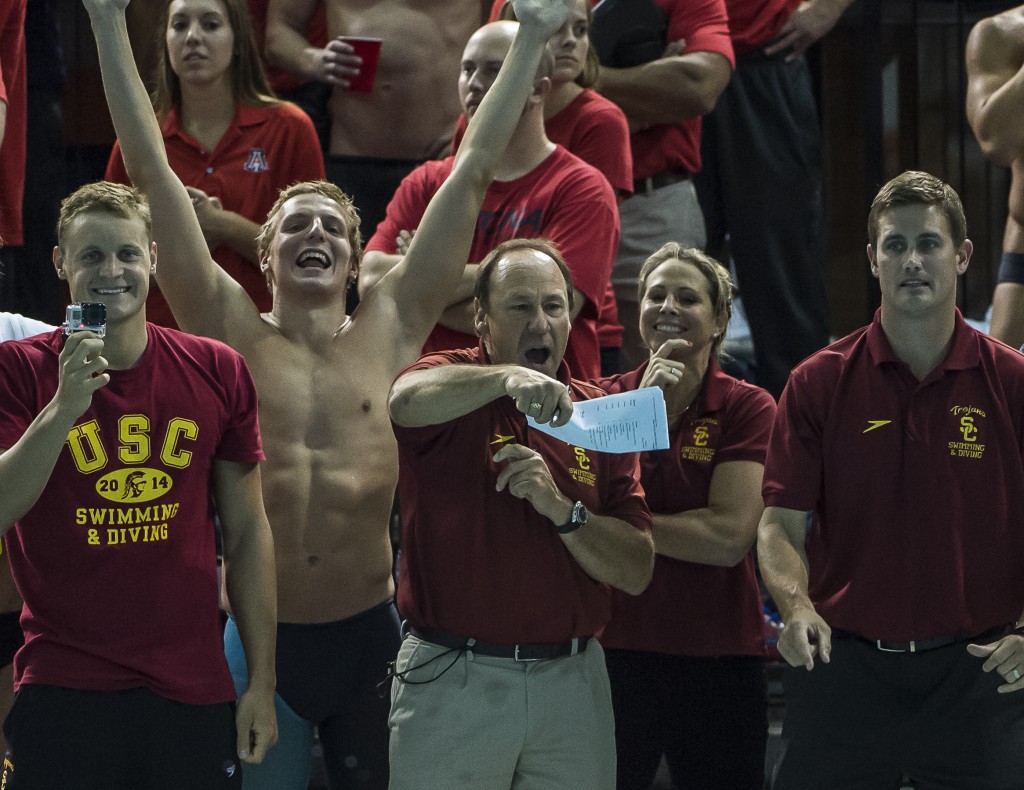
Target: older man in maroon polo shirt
(510, 540)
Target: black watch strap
(577, 519)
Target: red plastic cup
(369, 50)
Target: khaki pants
(483, 723)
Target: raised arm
(203, 297)
(783, 561)
(252, 591)
(995, 90)
(421, 284)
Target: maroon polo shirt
(917, 487)
(689, 608)
(481, 563)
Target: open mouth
(111, 291)
(914, 284)
(668, 329)
(314, 260)
(538, 356)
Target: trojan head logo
(134, 485)
(257, 161)
(138, 484)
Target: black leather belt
(644, 186)
(535, 651)
(923, 645)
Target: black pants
(118, 740)
(707, 716)
(760, 183)
(867, 718)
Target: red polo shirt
(693, 609)
(754, 23)
(482, 563)
(917, 487)
(562, 199)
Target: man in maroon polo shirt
(504, 581)
(905, 441)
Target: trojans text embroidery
(966, 445)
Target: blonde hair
(720, 285)
(117, 199)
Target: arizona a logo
(257, 161)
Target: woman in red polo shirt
(685, 657)
(227, 137)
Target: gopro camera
(86, 317)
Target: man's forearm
(668, 90)
(285, 44)
(460, 317)
(612, 551)
(239, 234)
(438, 395)
(26, 467)
(783, 568)
(252, 591)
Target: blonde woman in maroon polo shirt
(684, 657)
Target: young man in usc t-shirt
(116, 445)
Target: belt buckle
(515, 656)
(912, 643)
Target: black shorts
(11, 637)
(117, 740)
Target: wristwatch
(579, 517)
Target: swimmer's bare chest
(329, 477)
